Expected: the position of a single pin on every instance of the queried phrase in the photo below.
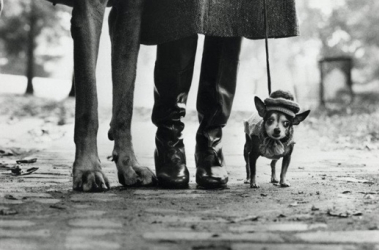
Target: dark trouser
(173, 77)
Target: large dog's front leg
(86, 24)
(125, 24)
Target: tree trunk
(31, 48)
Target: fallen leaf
(28, 160)
(338, 214)
(30, 171)
(357, 213)
(346, 192)
(10, 197)
(8, 212)
(248, 218)
(56, 206)
(264, 195)
(17, 170)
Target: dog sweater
(268, 147)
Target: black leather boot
(173, 77)
(170, 163)
(214, 103)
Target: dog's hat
(283, 102)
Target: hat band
(281, 109)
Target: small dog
(270, 134)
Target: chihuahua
(270, 134)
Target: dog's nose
(277, 131)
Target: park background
(35, 42)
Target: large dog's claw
(146, 176)
(128, 179)
(90, 181)
(137, 176)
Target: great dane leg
(125, 24)
(86, 24)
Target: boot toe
(215, 177)
(168, 181)
(174, 179)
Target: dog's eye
(286, 124)
(270, 120)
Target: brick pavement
(332, 204)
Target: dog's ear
(260, 106)
(300, 117)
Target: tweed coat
(167, 20)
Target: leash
(266, 45)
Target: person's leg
(173, 77)
(214, 103)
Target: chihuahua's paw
(254, 185)
(246, 181)
(285, 184)
(274, 180)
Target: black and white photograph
(189, 124)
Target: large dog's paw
(130, 173)
(89, 180)
(146, 176)
(247, 181)
(254, 185)
(136, 176)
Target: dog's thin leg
(125, 24)
(253, 170)
(253, 156)
(86, 27)
(285, 165)
(246, 150)
(273, 172)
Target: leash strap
(267, 52)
